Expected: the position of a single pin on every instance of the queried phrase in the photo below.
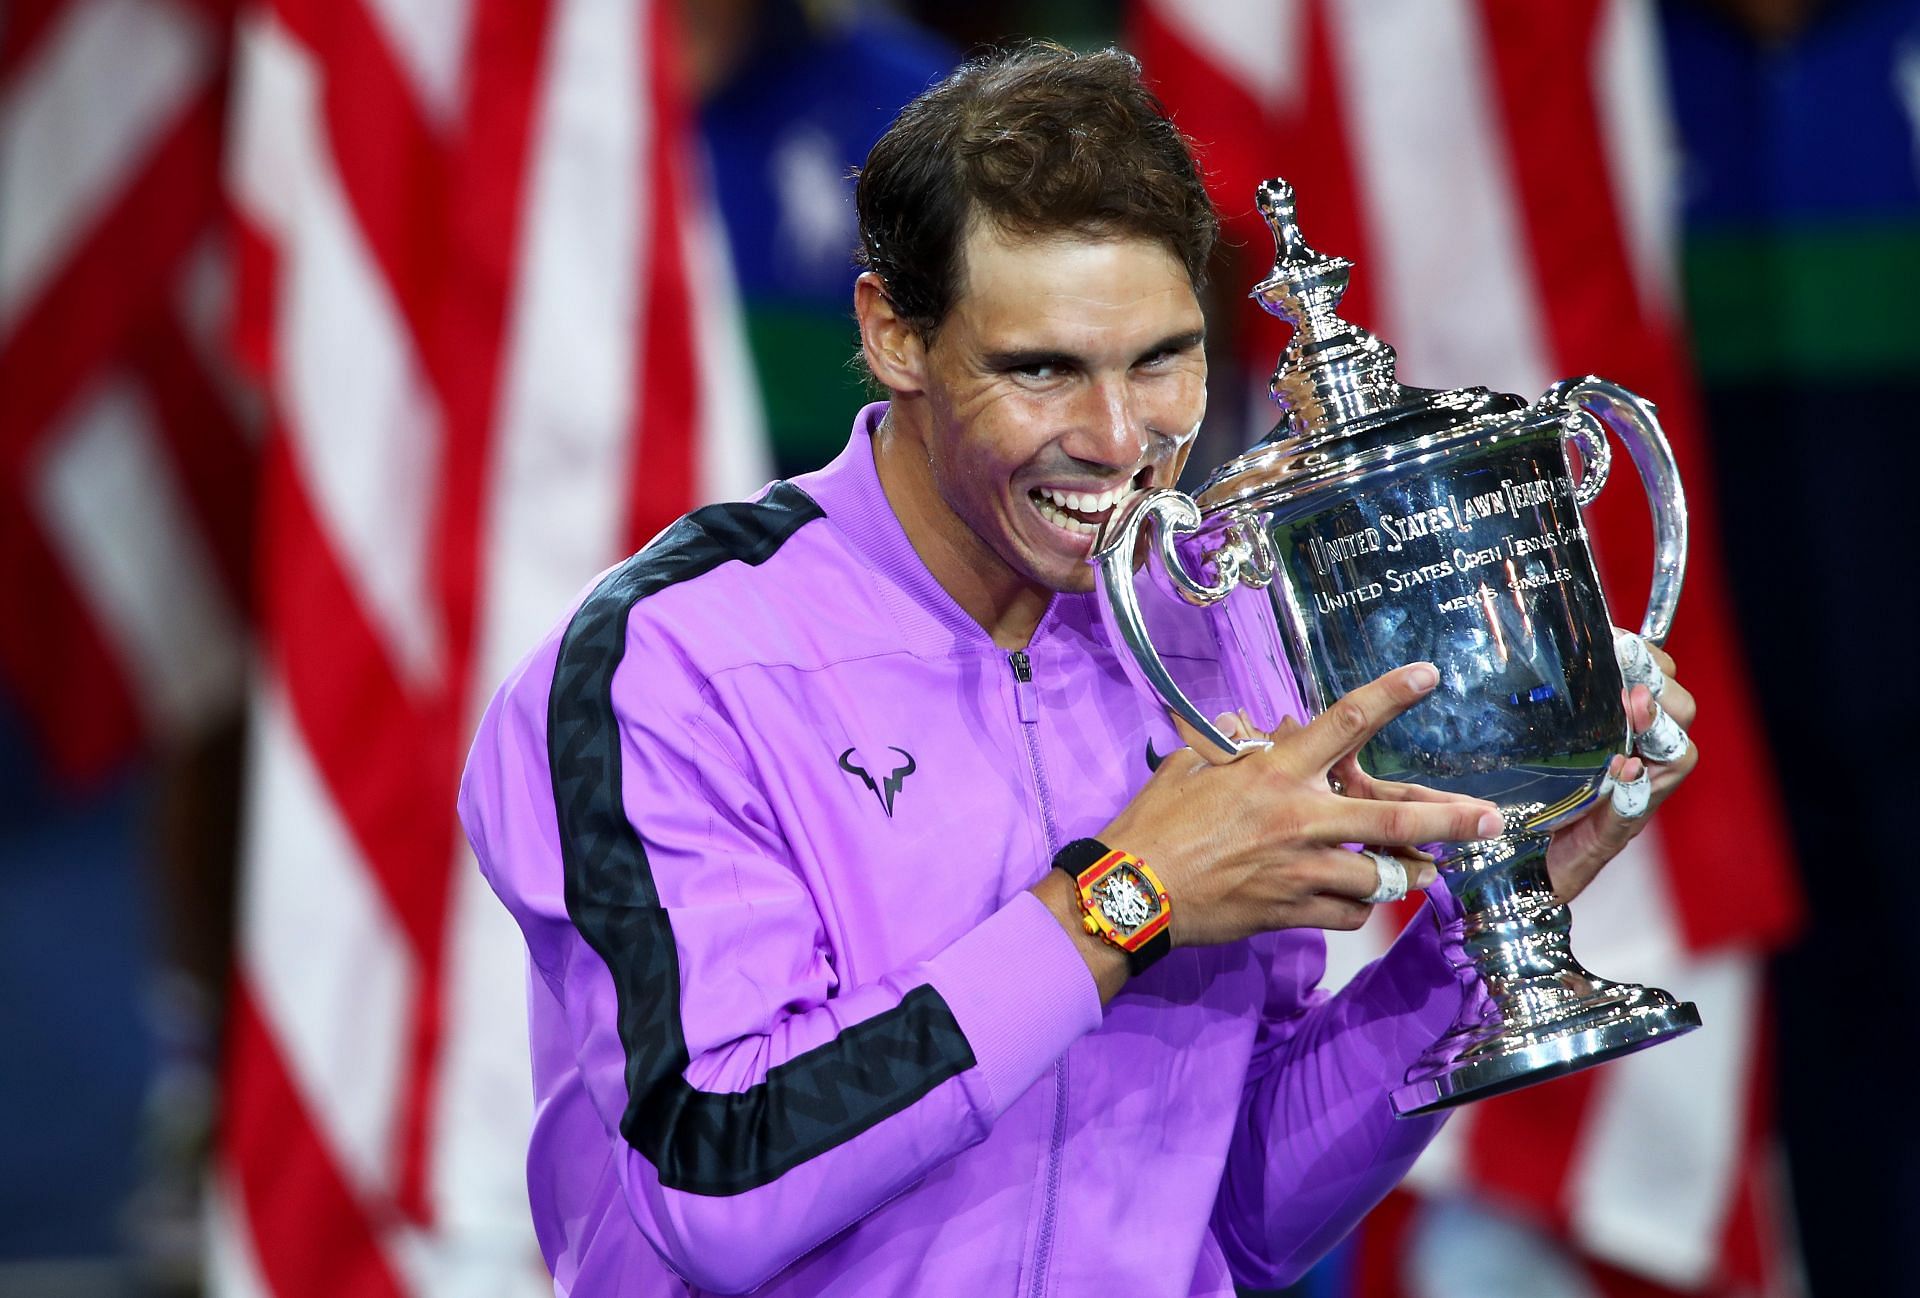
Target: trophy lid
(1343, 408)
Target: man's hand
(1253, 845)
(1578, 851)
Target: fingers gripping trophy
(1380, 524)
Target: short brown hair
(1035, 139)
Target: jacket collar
(849, 491)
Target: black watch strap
(1074, 858)
(1078, 855)
(1138, 962)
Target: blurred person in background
(1801, 177)
(792, 95)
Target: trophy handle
(1595, 405)
(1113, 564)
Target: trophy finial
(1303, 283)
(1332, 371)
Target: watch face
(1125, 899)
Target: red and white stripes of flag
(478, 291)
(125, 468)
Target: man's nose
(1109, 425)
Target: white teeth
(1059, 518)
(1082, 501)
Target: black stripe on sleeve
(705, 1142)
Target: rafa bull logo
(888, 785)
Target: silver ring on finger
(1392, 876)
(1662, 741)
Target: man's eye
(1038, 370)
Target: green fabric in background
(1827, 302)
(810, 385)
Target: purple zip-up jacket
(767, 809)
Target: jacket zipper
(1027, 704)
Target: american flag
(1501, 173)
(125, 461)
(492, 316)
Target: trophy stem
(1544, 1014)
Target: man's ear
(893, 347)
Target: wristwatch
(1121, 901)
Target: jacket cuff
(1428, 966)
(1020, 992)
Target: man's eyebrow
(1024, 357)
(1177, 342)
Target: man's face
(1069, 373)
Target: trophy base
(1543, 1014)
(1618, 1021)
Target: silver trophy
(1380, 524)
